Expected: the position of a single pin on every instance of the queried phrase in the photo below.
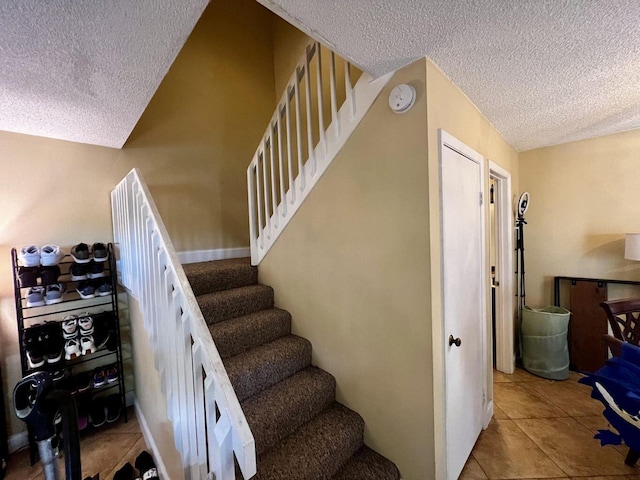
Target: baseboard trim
(18, 441)
(148, 438)
(193, 256)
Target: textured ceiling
(543, 72)
(85, 70)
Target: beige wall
(352, 268)
(192, 144)
(584, 198)
(449, 109)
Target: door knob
(454, 341)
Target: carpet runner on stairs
(301, 432)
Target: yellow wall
(352, 268)
(192, 144)
(449, 109)
(584, 198)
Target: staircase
(300, 431)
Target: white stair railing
(307, 130)
(208, 423)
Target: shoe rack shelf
(68, 372)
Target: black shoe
(32, 342)
(147, 467)
(28, 276)
(114, 407)
(99, 251)
(125, 473)
(80, 253)
(78, 271)
(52, 341)
(101, 327)
(98, 417)
(50, 275)
(96, 269)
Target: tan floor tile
(518, 376)
(598, 422)
(131, 426)
(499, 452)
(19, 468)
(130, 457)
(609, 477)
(571, 446)
(472, 471)
(498, 413)
(101, 452)
(570, 396)
(518, 401)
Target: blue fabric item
(621, 378)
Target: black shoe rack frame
(72, 302)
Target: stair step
(280, 410)
(237, 302)
(213, 276)
(366, 464)
(257, 369)
(316, 450)
(240, 334)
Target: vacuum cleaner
(37, 403)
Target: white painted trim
(505, 348)
(149, 440)
(445, 139)
(194, 256)
(488, 414)
(18, 441)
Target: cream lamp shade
(632, 246)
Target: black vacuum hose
(64, 401)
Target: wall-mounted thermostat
(402, 98)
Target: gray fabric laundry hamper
(543, 342)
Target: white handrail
(208, 423)
(268, 214)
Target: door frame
(505, 341)
(447, 140)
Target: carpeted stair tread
(278, 411)
(239, 334)
(257, 369)
(206, 277)
(366, 464)
(236, 302)
(317, 450)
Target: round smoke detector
(402, 98)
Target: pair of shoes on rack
(43, 343)
(78, 332)
(32, 256)
(105, 409)
(41, 296)
(92, 288)
(82, 254)
(83, 271)
(28, 276)
(145, 466)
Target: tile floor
(544, 429)
(103, 451)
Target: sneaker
(99, 378)
(83, 381)
(32, 342)
(87, 345)
(29, 256)
(99, 251)
(52, 341)
(112, 373)
(35, 297)
(50, 275)
(101, 329)
(85, 322)
(146, 466)
(28, 276)
(71, 349)
(54, 293)
(86, 290)
(51, 255)
(96, 270)
(70, 327)
(125, 473)
(114, 407)
(78, 271)
(80, 253)
(103, 287)
(98, 417)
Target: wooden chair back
(624, 318)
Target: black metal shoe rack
(72, 303)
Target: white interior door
(463, 302)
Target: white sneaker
(71, 349)
(85, 322)
(29, 256)
(51, 255)
(70, 327)
(88, 347)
